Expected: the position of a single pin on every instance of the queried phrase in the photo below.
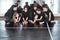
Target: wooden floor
(32, 34)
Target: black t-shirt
(52, 16)
(31, 14)
(39, 16)
(25, 15)
(47, 13)
(19, 9)
(27, 6)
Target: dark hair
(43, 2)
(18, 1)
(34, 1)
(46, 7)
(25, 7)
(38, 9)
(35, 5)
(15, 5)
(26, 3)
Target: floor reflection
(26, 35)
(2, 25)
(40, 34)
(56, 31)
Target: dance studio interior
(29, 19)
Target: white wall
(6, 4)
(53, 5)
(23, 2)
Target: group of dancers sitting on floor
(30, 16)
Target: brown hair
(38, 9)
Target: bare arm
(40, 18)
(23, 19)
(27, 18)
(49, 16)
